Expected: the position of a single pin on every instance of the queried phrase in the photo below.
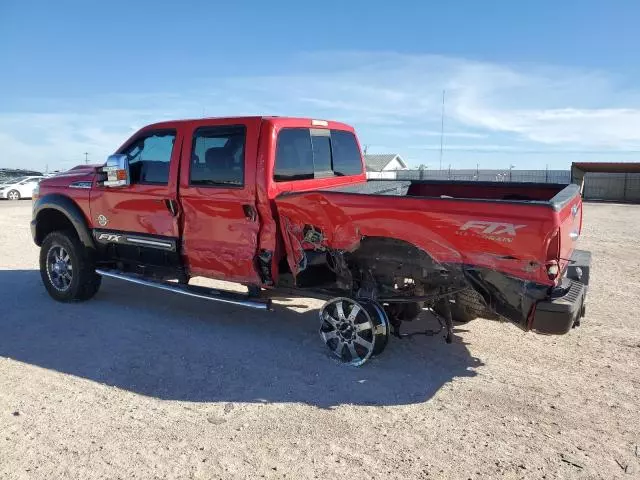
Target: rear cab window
(307, 153)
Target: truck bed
(539, 193)
(514, 228)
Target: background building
(384, 165)
(615, 182)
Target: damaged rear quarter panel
(504, 237)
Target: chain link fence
(535, 176)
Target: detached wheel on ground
(354, 330)
(13, 195)
(67, 269)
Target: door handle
(172, 206)
(250, 212)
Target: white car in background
(21, 187)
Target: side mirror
(117, 170)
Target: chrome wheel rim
(346, 328)
(13, 196)
(59, 268)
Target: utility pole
(86, 158)
(442, 129)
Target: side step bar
(222, 296)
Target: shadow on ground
(176, 348)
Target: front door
(143, 214)
(217, 200)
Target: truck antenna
(442, 128)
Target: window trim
(151, 133)
(316, 174)
(239, 126)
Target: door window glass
(150, 157)
(217, 156)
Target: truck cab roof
(277, 121)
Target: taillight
(553, 255)
(553, 270)
(553, 249)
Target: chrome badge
(102, 220)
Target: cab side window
(217, 157)
(150, 157)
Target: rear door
(218, 199)
(144, 213)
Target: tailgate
(568, 205)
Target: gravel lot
(143, 384)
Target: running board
(222, 296)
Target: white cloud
(391, 98)
(467, 147)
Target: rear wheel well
(51, 220)
(393, 267)
(394, 258)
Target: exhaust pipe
(221, 296)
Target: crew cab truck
(283, 206)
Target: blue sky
(528, 83)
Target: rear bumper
(564, 308)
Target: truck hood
(80, 173)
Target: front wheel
(13, 195)
(67, 268)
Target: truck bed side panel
(506, 237)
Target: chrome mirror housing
(117, 170)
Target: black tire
(254, 291)
(15, 194)
(379, 317)
(467, 305)
(83, 283)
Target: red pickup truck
(283, 206)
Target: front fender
(67, 207)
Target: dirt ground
(143, 384)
